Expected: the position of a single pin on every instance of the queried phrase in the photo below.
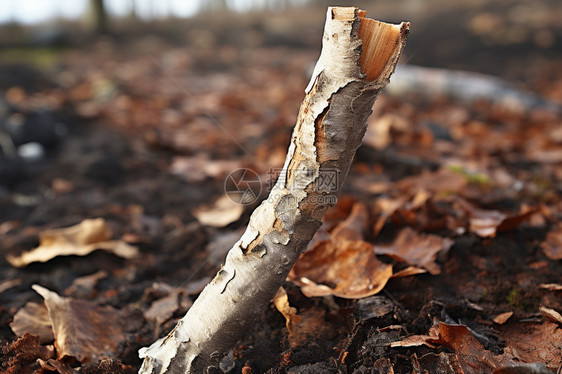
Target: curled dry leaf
(33, 318)
(281, 302)
(222, 213)
(551, 315)
(416, 249)
(82, 329)
(552, 246)
(347, 269)
(78, 240)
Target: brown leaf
(78, 240)
(529, 343)
(486, 223)
(552, 246)
(502, 318)
(472, 356)
(551, 315)
(222, 213)
(198, 168)
(416, 249)
(33, 318)
(281, 302)
(347, 269)
(410, 270)
(82, 329)
(353, 227)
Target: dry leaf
(551, 286)
(222, 213)
(410, 270)
(502, 318)
(551, 315)
(486, 223)
(353, 227)
(416, 249)
(82, 329)
(198, 168)
(78, 240)
(529, 343)
(347, 269)
(552, 246)
(281, 302)
(472, 356)
(33, 318)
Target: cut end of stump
(382, 42)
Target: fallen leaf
(412, 341)
(416, 249)
(347, 269)
(222, 213)
(353, 227)
(33, 318)
(199, 168)
(502, 318)
(530, 342)
(78, 240)
(82, 329)
(486, 223)
(410, 270)
(281, 302)
(551, 315)
(551, 286)
(552, 246)
(83, 286)
(472, 356)
(162, 309)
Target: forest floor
(132, 136)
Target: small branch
(358, 56)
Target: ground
(458, 197)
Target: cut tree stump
(358, 56)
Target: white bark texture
(358, 56)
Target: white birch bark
(358, 56)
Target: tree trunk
(358, 56)
(99, 16)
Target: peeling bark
(358, 56)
